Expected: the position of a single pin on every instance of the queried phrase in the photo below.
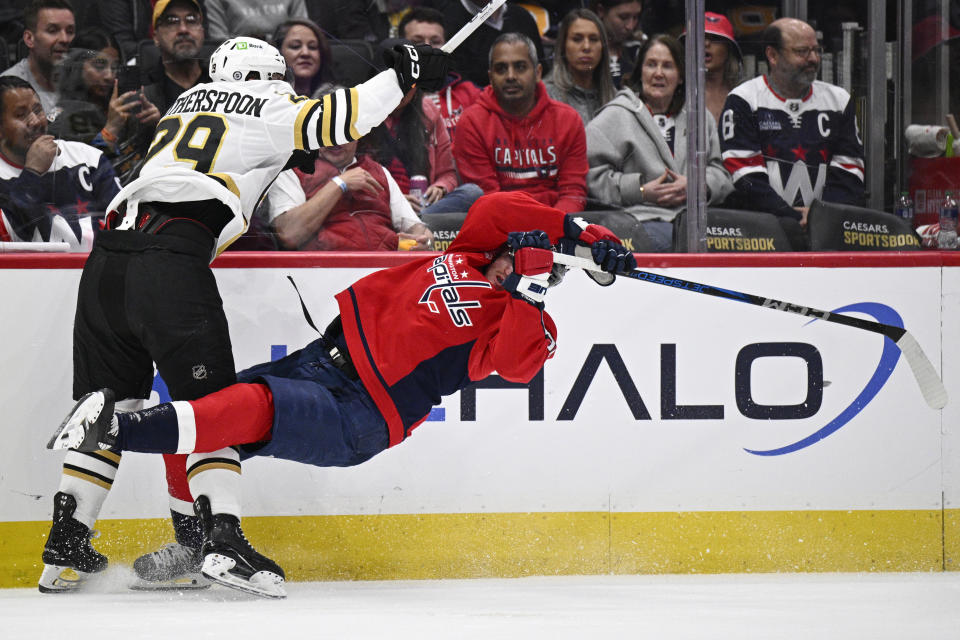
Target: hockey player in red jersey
(371, 378)
(147, 294)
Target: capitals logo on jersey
(450, 274)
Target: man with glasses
(178, 34)
(787, 138)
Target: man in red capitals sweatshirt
(515, 138)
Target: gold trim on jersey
(354, 110)
(299, 127)
(228, 182)
(329, 118)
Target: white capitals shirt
(229, 140)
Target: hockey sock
(239, 414)
(217, 476)
(181, 502)
(88, 478)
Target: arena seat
(842, 227)
(736, 230)
(446, 226)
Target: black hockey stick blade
(934, 393)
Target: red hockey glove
(531, 275)
(585, 233)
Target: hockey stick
(465, 31)
(929, 382)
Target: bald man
(788, 138)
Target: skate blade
(70, 433)
(185, 582)
(267, 584)
(61, 579)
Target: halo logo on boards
(670, 408)
(888, 360)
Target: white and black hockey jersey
(784, 153)
(64, 204)
(229, 141)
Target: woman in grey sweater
(637, 148)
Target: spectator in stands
(49, 30)
(516, 138)
(722, 59)
(128, 22)
(637, 145)
(423, 25)
(414, 141)
(788, 138)
(121, 126)
(469, 56)
(348, 203)
(621, 19)
(304, 47)
(349, 19)
(257, 18)
(50, 190)
(178, 34)
(581, 71)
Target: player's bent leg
(87, 478)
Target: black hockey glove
(531, 272)
(612, 257)
(418, 65)
(517, 240)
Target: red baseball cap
(716, 24)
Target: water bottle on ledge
(947, 238)
(904, 207)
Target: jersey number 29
(198, 143)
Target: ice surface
(771, 606)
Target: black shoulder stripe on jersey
(306, 123)
(328, 136)
(347, 116)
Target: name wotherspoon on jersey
(220, 101)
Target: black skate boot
(68, 557)
(90, 425)
(175, 565)
(228, 558)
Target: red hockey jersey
(430, 327)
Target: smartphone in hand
(128, 79)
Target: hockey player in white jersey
(147, 293)
(787, 138)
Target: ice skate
(173, 566)
(228, 558)
(90, 426)
(68, 557)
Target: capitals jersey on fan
(229, 141)
(784, 153)
(64, 204)
(429, 328)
